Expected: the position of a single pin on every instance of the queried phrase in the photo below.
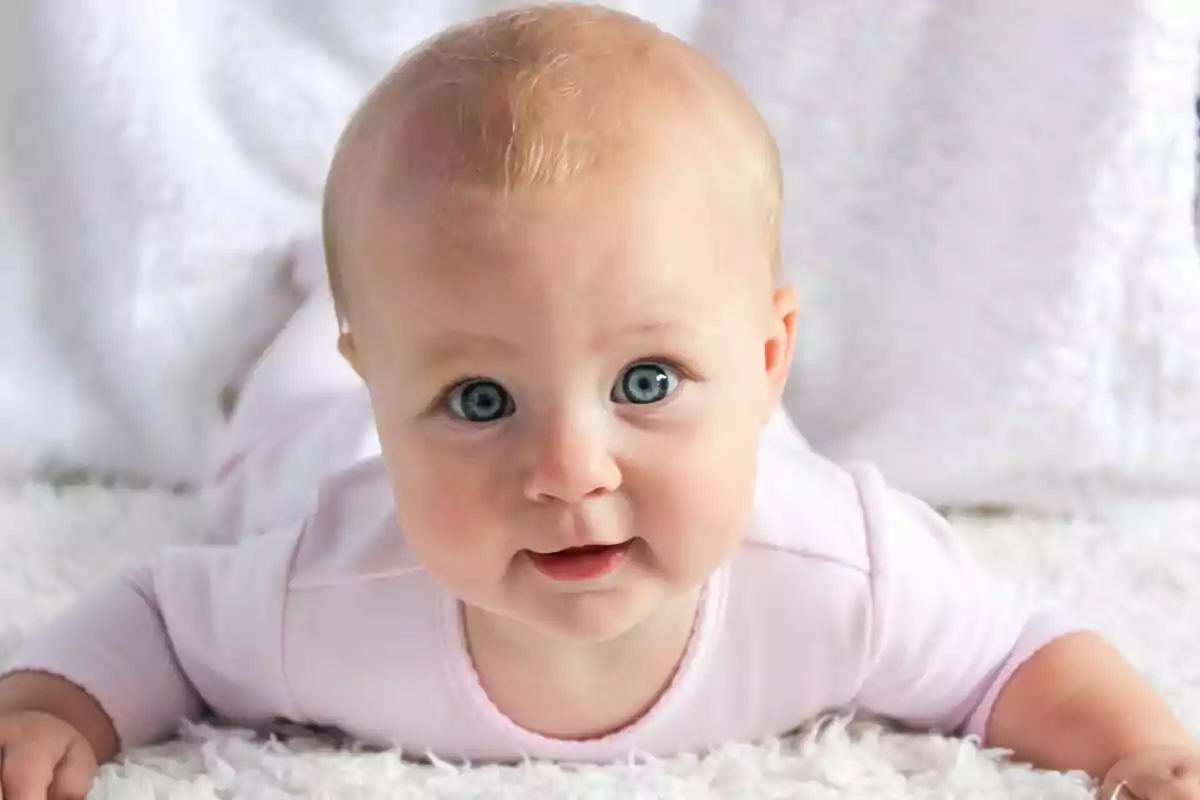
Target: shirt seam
(810, 555)
(284, 611)
(360, 577)
(870, 651)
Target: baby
(561, 515)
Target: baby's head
(553, 242)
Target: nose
(570, 460)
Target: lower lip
(581, 563)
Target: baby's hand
(1165, 773)
(43, 757)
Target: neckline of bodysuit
(465, 678)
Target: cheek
(445, 503)
(430, 512)
(694, 499)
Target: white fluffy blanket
(988, 211)
(1134, 574)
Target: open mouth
(581, 563)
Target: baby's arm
(944, 635)
(106, 660)
(954, 649)
(1077, 704)
(113, 648)
(200, 628)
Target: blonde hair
(534, 97)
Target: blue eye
(480, 401)
(645, 383)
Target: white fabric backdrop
(988, 212)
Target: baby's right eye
(479, 401)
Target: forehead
(656, 225)
(663, 209)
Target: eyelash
(440, 402)
(686, 373)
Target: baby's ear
(781, 341)
(349, 351)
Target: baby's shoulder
(806, 507)
(351, 533)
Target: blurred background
(990, 216)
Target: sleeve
(944, 635)
(199, 629)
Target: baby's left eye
(645, 383)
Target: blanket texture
(1133, 575)
(988, 213)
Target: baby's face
(587, 367)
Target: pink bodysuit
(845, 595)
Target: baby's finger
(1154, 790)
(1114, 789)
(26, 772)
(75, 773)
(1185, 789)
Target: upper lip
(580, 547)
(572, 528)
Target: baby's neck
(568, 690)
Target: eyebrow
(645, 328)
(449, 346)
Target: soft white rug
(1134, 573)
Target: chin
(593, 618)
